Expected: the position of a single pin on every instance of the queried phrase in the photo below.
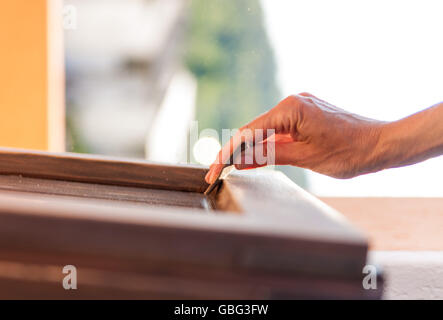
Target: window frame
(265, 238)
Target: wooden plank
(102, 170)
(160, 238)
(59, 209)
(16, 279)
(127, 195)
(269, 195)
(395, 223)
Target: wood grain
(165, 238)
(17, 278)
(159, 254)
(98, 214)
(269, 195)
(102, 170)
(127, 195)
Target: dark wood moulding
(136, 229)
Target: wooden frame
(259, 236)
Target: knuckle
(305, 94)
(290, 103)
(291, 99)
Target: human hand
(309, 133)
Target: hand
(310, 133)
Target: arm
(316, 135)
(412, 139)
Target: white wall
(381, 59)
(411, 274)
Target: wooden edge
(271, 196)
(16, 279)
(102, 170)
(282, 226)
(41, 228)
(223, 199)
(114, 194)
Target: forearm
(313, 134)
(410, 140)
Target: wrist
(382, 151)
(400, 144)
(411, 140)
(389, 147)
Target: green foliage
(229, 53)
(74, 142)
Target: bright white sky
(381, 59)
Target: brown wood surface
(125, 195)
(165, 238)
(98, 215)
(270, 196)
(20, 280)
(102, 170)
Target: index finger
(249, 134)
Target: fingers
(278, 120)
(268, 153)
(306, 94)
(318, 100)
(255, 131)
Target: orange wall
(25, 85)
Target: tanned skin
(313, 134)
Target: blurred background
(139, 72)
(137, 68)
(143, 76)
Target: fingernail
(211, 178)
(208, 177)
